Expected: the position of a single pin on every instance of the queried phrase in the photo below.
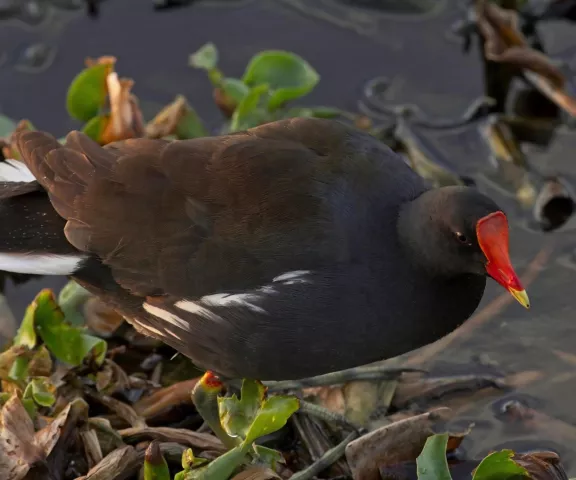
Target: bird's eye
(461, 237)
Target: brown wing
(194, 217)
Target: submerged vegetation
(84, 396)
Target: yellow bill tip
(521, 297)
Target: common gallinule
(293, 249)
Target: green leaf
(19, 370)
(288, 75)
(249, 113)
(190, 126)
(39, 389)
(26, 335)
(189, 460)
(88, 91)
(205, 58)
(7, 126)
(273, 415)
(236, 415)
(269, 456)
(314, 112)
(431, 463)
(499, 466)
(221, 468)
(235, 89)
(70, 299)
(30, 407)
(155, 465)
(67, 343)
(94, 128)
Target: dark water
(348, 46)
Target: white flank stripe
(43, 264)
(15, 171)
(196, 309)
(165, 315)
(290, 278)
(233, 300)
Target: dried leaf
(178, 119)
(165, 398)
(41, 363)
(503, 42)
(20, 447)
(257, 473)
(111, 378)
(201, 441)
(123, 410)
(100, 318)
(125, 116)
(92, 448)
(18, 451)
(118, 465)
(541, 465)
(108, 438)
(398, 442)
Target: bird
(289, 250)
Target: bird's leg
(370, 372)
(328, 415)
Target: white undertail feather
(15, 171)
(40, 264)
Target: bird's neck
(419, 236)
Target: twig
(330, 457)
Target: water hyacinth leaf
(155, 465)
(70, 299)
(269, 456)
(431, 463)
(220, 468)
(67, 343)
(235, 89)
(313, 112)
(236, 415)
(205, 58)
(189, 460)
(325, 112)
(499, 466)
(25, 337)
(272, 416)
(288, 75)
(249, 113)
(190, 126)
(8, 357)
(96, 127)
(88, 91)
(7, 126)
(41, 391)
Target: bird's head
(458, 230)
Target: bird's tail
(32, 239)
